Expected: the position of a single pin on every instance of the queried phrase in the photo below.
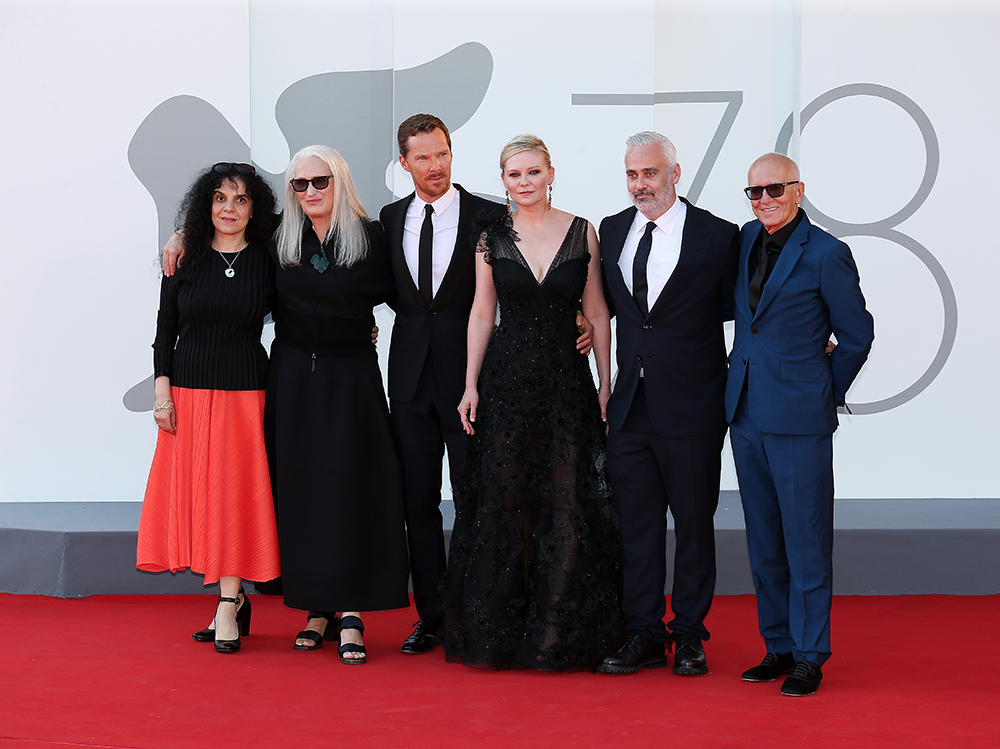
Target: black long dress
(337, 481)
(535, 563)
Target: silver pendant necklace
(229, 266)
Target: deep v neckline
(552, 263)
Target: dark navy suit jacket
(680, 345)
(813, 291)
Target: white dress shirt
(664, 253)
(445, 220)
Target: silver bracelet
(165, 406)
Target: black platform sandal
(352, 622)
(242, 626)
(242, 619)
(308, 634)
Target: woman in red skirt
(208, 503)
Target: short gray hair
(649, 138)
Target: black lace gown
(534, 576)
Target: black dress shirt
(776, 243)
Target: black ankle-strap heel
(232, 646)
(242, 615)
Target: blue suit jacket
(813, 291)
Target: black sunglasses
(225, 167)
(301, 185)
(756, 192)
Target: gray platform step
(881, 547)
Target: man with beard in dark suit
(669, 270)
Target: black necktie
(425, 260)
(640, 289)
(760, 274)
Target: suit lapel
(405, 283)
(611, 250)
(692, 254)
(461, 253)
(742, 291)
(612, 247)
(789, 256)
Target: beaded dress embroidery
(535, 563)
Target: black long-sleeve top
(208, 327)
(330, 313)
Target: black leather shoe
(425, 635)
(803, 680)
(635, 653)
(689, 657)
(773, 666)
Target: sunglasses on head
(225, 167)
(301, 185)
(756, 192)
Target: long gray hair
(346, 222)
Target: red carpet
(123, 671)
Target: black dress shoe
(425, 635)
(773, 666)
(635, 653)
(689, 658)
(803, 680)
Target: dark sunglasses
(756, 192)
(301, 185)
(225, 167)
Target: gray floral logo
(356, 112)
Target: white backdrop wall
(109, 107)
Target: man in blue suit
(795, 287)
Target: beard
(651, 203)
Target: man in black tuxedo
(433, 262)
(669, 270)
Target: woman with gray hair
(337, 481)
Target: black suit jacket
(680, 344)
(441, 328)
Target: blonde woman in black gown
(535, 561)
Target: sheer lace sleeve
(491, 230)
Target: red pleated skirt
(208, 503)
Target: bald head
(779, 172)
(778, 160)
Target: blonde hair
(524, 143)
(346, 221)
